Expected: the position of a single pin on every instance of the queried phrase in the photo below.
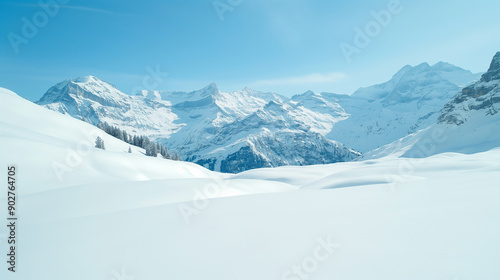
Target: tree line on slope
(152, 148)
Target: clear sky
(285, 46)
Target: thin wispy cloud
(70, 7)
(314, 78)
(89, 9)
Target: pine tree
(164, 152)
(99, 143)
(154, 150)
(151, 150)
(176, 156)
(145, 142)
(119, 134)
(129, 149)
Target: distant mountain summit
(420, 82)
(88, 87)
(410, 101)
(96, 101)
(454, 74)
(468, 123)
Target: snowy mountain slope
(219, 130)
(319, 104)
(238, 103)
(233, 132)
(203, 113)
(220, 107)
(279, 134)
(456, 75)
(410, 101)
(97, 101)
(468, 123)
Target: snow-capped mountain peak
(442, 80)
(480, 98)
(455, 74)
(411, 100)
(411, 72)
(274, 105)
(96, 101)
(211, 89)
(411, 83)
(94, 83)
(445, 66)
(88, 87)
(468, 123)
(305, 95)
(494, 70)
(86, 79)
(249, 90)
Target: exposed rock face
(494, 70)
(481, 96)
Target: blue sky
(285, 46)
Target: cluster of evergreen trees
(152, 148)
(99, 143)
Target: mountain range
(247, 129)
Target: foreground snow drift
(432, 227)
